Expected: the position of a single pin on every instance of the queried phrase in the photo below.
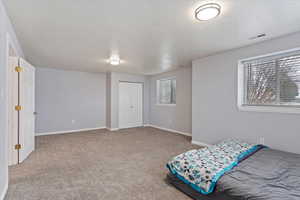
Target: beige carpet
(123, 165)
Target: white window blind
(272, 81)
(166, 91)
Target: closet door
(130, 105)
(27, 114)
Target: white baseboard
(70, 131)
(170, 130)
(3, 193)
(200, 143)
(112, 129)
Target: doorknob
(35, 113)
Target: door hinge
(18, 69)
(18, 108)
(17, 146)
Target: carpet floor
(99, 165)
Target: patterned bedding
(202, 168)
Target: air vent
(258, 36)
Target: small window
(270, 81)
(166, 91)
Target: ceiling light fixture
(114, 60)
(207, 11)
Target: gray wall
(63, 96)
(115, 78)
(215, 112)
(5, 29)
(177, 117)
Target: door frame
(12, 158)
(143, 109)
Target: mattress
(266, 175)
(180, 185)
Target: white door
(27, 117)
(130, 105)
(20, 123)
(12, 113)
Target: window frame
(293, 109)
(158, 92)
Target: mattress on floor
(202, 168)
(193, 193)
(266, 175)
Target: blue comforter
(202, 168)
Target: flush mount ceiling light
(114, 60)
(207, 11)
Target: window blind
(273, 81)
(167, 91)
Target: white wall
(108, 100)
(215, 112)
(179, 117)
(5, 28)
(115, 78)
(95, 97)
(69, 100)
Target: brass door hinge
(17, 146)
(18, 69)
(18, 108)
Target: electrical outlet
(262, 140)
(73, 121)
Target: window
(166, 91)
(270, 81)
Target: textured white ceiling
(151, 36)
